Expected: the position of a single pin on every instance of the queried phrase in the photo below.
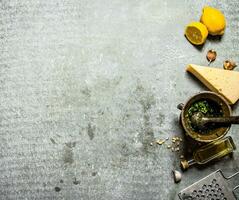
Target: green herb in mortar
(208, 108)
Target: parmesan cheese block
(224, 82)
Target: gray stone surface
(87, 85)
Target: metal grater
(213, 187)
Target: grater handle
(229, 177)
(235, 188)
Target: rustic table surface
(86, 85)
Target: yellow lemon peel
(214, 20)
(196, 33)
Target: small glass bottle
(212, 151)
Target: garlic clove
(229, 64)
(211, 55)
(177, 176)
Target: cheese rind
(224, 82)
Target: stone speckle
(68, 155)
(90, 131)
(57, 189)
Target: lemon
(196, 33)
(214, 20)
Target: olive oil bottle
(210, 152)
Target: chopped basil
(208, 108)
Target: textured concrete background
(86, 85)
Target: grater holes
(204, 187)
(210, 195)
(222, 195)
(210, 191)
(187, 197)
(214, 181)
(194, 192)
